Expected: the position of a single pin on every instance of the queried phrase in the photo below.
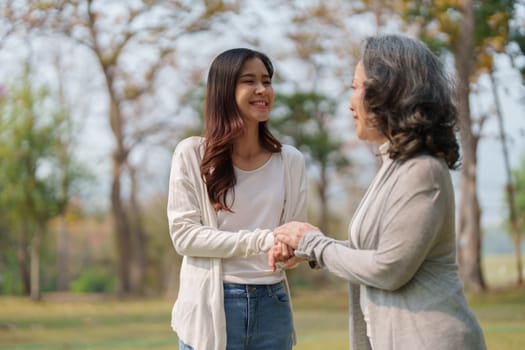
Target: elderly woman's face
(358, 108)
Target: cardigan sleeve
(409, 225)
(185, 210)
(295, 207)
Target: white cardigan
(198, 314)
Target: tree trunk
(62, 255)
(321, 279)
(35, 263)
(321, 190)
(513, 219)
(469, 235)
(119, 158)
(120, 155)
(123, 237)
(139, 258)
(122, 230)
(23, 262)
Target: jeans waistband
(236, 289)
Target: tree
(306, 118)
(515, 50)
(469, 210)
(510, 188)
(31, 172)
(482, 33)
(69, 180)
(472, 32)
(132, 44)
(306, 110)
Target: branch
(150, 76)
(112, 60)
(141, 135)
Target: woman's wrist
(311, 247)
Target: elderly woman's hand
(292, 232)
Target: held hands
(282, 256)
(292, 232)
(286, 240)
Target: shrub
(93, 280)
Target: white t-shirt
(258, 202)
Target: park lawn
(502, 317)
(88, 322)
(109, 324)
(321, 322)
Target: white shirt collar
(383, 151)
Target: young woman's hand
(279, 254)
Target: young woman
(227, 192)
(400, 257)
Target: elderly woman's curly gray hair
(410, 98)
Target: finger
(292, 262)
(283, 239)
(271, 259)
(284, 250)
(287, 240)
(277, 252)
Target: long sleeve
(410, 221)
(187, 200)
(295, 207)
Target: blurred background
(95, 94)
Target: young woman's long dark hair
(410, 98)
(223, 123)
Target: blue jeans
(258, 317)
(183, 346)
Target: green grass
(321, 322)
(85, 325)
(321, 319)
(500, 270)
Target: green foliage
(492, 19)
(517, 37)
(305, 117)
(27, 139)
(427, 17)
(163, 260)
(438, 26)
(93, 280)
(37, 171)
(519, 195)
(9, 278)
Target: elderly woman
(400, 257)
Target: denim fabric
(258, 317)
(183, 346)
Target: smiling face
(359, 110)
(254, 92)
